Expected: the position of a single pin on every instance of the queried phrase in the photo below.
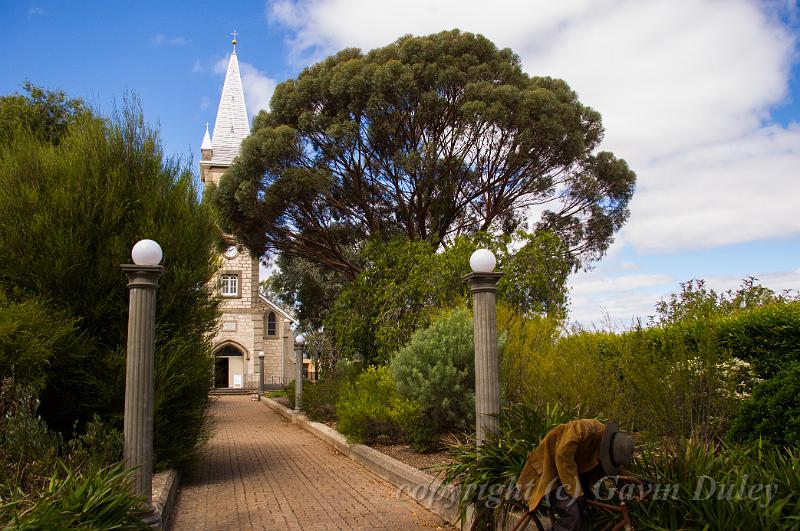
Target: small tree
(436, 370)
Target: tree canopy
(430, 138)
(47, 114)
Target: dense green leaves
(35, 340)
(436, 370)
(69, 215)
(773, 412)
(48, 114)
(430, 138)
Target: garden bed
(421, 461)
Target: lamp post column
(298, 382)
(260, 374)
(143, 277)
(483, 284)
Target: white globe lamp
(482, 261)
(147, 253)
(300, 340)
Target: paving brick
(258, 471)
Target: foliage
(773, 413)
(47, 114)
(308, 288)
(429, 138)
(27, 447)
(686, 499)
(436, 370)
(320, 398)
(92, 499)
(370, 407)
(48, 484)
(85, 202)
(405, 284)
(767, 336)
(483, 476)
(670, 380)
(31, 334)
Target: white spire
(206, 140)
(231, 126)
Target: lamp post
(143, 276)
(260, 373)
(300, 342)
(483, 284)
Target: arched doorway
(228, 367)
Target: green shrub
(27, 447)
(682, 504)
(767, 336)
(31, 334)
(671, 380)
(85, 202)
(370, 407)
(94, 498)
(773, 412)
(320, 398)
(46, 484)
(436, 370)
(502, 456)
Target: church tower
(250, 323)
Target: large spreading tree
(428, 138)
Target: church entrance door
(221, 373)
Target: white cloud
(160, 39)
(684, 88)
(733, 191)
(587, 285)
(35, 10)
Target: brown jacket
(566, 451)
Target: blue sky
(702, 98)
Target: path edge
(165, 488)
(422, 487)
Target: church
(250, 323)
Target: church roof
(231, 126)
(206, 140)
(280, 310)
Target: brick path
(261, 472)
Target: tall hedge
(767, 336)
(69, 215)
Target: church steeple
(231, 125)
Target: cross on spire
(234, 33)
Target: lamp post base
(152, 519)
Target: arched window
(271, 324)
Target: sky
(700, 97)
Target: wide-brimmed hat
(616, 449)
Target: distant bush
(370, 407)
(320, 398)
(773, 413)
(667, 380)
(436, 370)
(767, 336)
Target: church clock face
(231, 252)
